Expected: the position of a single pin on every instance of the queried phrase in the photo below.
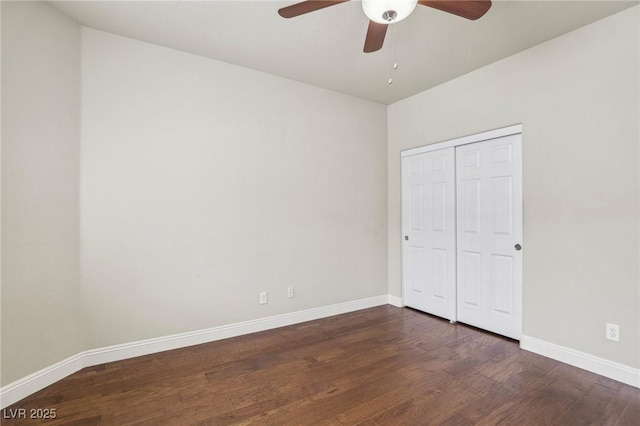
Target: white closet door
(428, 218)
(489, 234)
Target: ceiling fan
(381, 13)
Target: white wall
(203, 183)
(577, 97)
(40, 169)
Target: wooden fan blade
(375, 37)
(470, 9)
(306, 7)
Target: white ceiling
(324, 48)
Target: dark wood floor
(380, 366)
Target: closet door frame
(479, 137)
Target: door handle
(406, 238)
(518, 247)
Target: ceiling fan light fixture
(386, 11)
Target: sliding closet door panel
(428, 218)
(489, 221)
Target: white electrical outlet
(290, 293)
(264, 298)
(612, 332)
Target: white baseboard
(15, 391)
(176, 341)
(594, 364)
(26, 386)
(396, 301)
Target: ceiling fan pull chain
(393, 52)
(395, 47)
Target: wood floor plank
(430, 409)
(395, 387)
(494, 398)
(624, 409)
(590, 407)
(409, 412)
(379, 366)
(502, 413)
(456, 420)
(546, 407)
